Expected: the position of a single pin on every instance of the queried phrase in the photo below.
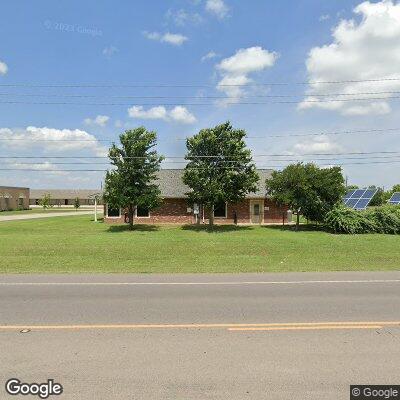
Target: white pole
(95, 209)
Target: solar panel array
(359, 199)
(395, 199)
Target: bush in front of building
(386, 219)
(342, 219)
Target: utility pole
(95, 208)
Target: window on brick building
(220, 210)
(142, 212)
(113, 212)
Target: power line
(197, 104)
(221, 161)
(259, 166)
(206, 156)
(152, 85)
(388, 130)
(197, 97)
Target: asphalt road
(255, 336)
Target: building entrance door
(256, 212)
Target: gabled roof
(64, 193)
(169, 181)
(172, 186)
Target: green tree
(220, 167)
(77, 203)
(45, 201)
(307, 189)
(132, 183)
(395, 188)
(380, 197)
(351, 187)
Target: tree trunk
(131, 216)
(211, 217)
(297, 220)
(199, 214)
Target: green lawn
(47, 211)
(76, 244)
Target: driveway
(42, 215)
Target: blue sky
(200, 44)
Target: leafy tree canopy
(395, 188)
(132, 182)
(77, 202)
(220, 167)
(351, 187)
(45, 201)
(307, 189)
(380, 197)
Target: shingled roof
(172, 186)
(169, 181)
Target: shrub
(377, 220)
(343, 220)
(386, 219)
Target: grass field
(76, 244)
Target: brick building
(255, 209)
(13, 198)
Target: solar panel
(348, 194)
(351, 203)
(395, 199)
(358, 193)
(369, 193)
(359, 199)
(362, 204)
(346, 201)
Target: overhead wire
(180, 85)
(197, 104)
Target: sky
(74, 75)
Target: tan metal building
(13, 198)
(65, 197)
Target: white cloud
(44, 166)
(178, 114)
(100, 120)
(181, 17)
(50, 140)
(181, 114)
(159, 112)
(324, 17)
(248, 60)
(319, 144)
(210, 55)
(109, 51)
(217, 8)
(234, 70)
(364, 50)
(3, 68)
(175, 39)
